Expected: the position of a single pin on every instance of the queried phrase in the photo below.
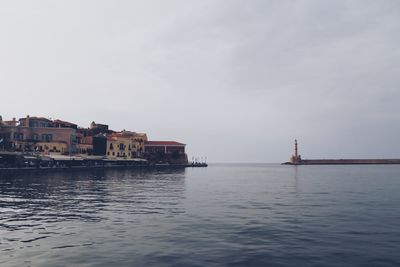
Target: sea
(222, 215)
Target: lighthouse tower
(296, 158)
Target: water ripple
(224, 215)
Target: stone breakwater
(343, 161)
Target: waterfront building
(13, 122)
(126, 144)
(92, 140)
(99, 145)
(84, 144)
(138, 142)
(119, 146)
(36, 134)
(165, 151)
(41, 135)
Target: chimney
(27, 121)
(14, 122)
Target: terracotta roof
(111, 138)
(163, 143)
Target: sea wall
(344, 161)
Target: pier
(296, 159)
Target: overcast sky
(237, 81)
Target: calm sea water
(223, 215)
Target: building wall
(52, 147)
(155, 149)
(164, 149)
(174, 154)
(126, 145)
(86, 149)
(138, 144)
(175, 149)
(119, 147)
(99, 145)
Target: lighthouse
(296, 158)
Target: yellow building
(119, 147)
(139, 140)
(126, 145)
(52, 147)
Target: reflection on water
(59, 206)
(223, 215)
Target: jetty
(297, 160)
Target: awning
(139, 159)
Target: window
(18, 136)
(113, 153)
(47, 137)
(111, 146)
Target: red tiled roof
(111, 138)
(163, 143)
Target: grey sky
(235, 80)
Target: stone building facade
(126, 144)
(165, 151)
(33, 134)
